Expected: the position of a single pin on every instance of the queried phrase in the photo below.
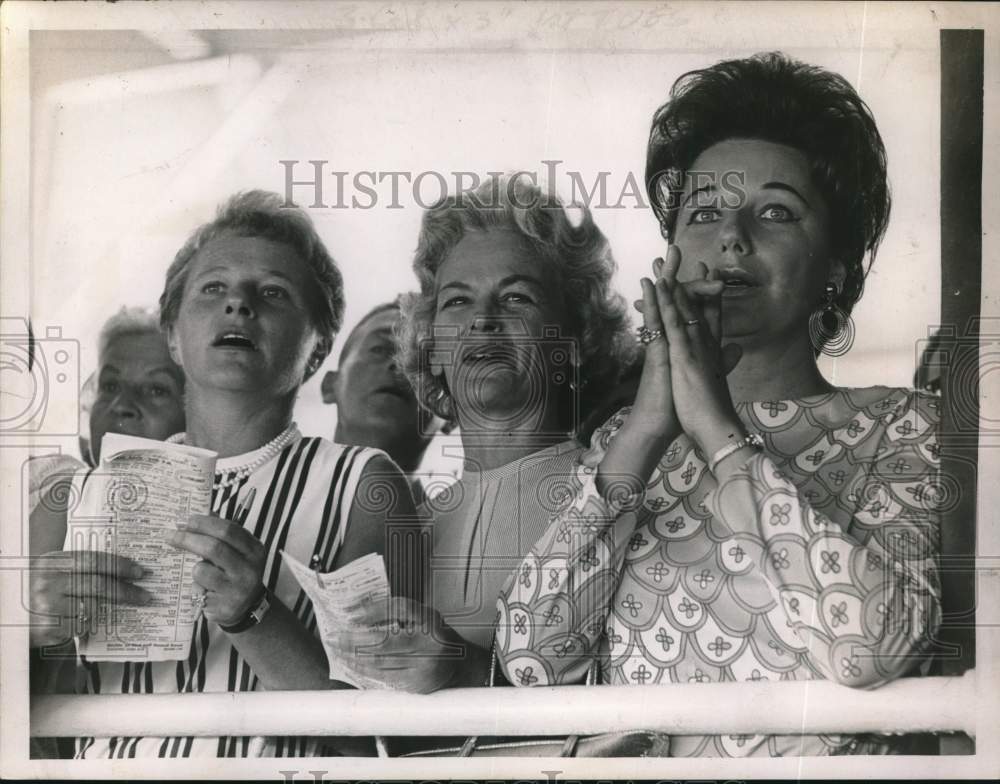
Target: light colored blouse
(832, 574)
(482, 526)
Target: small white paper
(129, 506)
(339, 600)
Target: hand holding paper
(72, 586)
(372, 640)
(129, 507)
(232, 568)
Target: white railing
(785, 707)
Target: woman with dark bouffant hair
(745, 519)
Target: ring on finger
(199, 599)
(692, 322)
(645, 336)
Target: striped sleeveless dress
(300, 502)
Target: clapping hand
(665, 398)
(656, 404)
(690, 315)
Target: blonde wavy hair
(579, 255)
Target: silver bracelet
(751, 439)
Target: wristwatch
(256, 613)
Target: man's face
(374, 400)
(140, 391)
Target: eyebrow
(210, 270)
(774, 185)
(530, 279)
(455, 285)
(164, 369)
(783, 186)
(702, 189)
(517, 278)
(220, 268)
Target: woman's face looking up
(244, 322)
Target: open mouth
(234, 339)
(488, 353)
(736, 280)
(403, 393)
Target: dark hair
(773, 98)
(578, 255)
(267, 216)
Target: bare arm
(383, 520)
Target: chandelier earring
(831, 328)
(440, 404)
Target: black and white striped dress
(300, 504)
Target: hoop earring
(576, 381)
(440, 405)
(831, 328)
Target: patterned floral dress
(817, 559)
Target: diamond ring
(646, 336)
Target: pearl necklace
(264, 454)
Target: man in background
(137, 389)
(375, 405)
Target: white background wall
(136, 138)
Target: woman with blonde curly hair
(513, 336)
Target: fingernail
(136, 572)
